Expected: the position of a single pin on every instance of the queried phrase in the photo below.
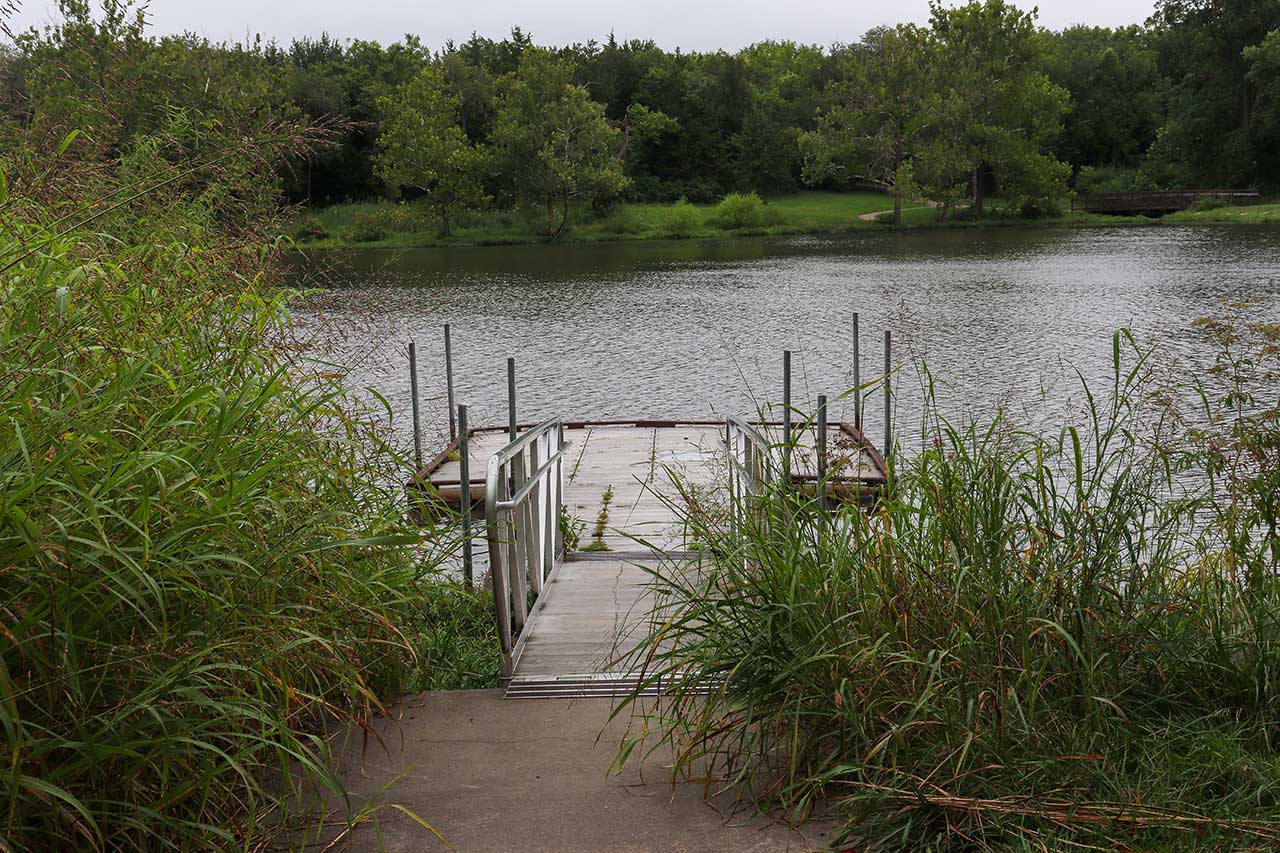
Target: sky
(687, 24)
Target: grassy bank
(1037, 642)
(383, 224)
(203, 550)
(1255, 214)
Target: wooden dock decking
(617, 489)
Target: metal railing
(751, 464)
(524, 494)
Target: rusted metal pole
(857, 374)
(820, 441)
(786, 413)
(888, 395)
(511, 397)
(464, 496)
(448, 379)
(413, 396)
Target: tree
(1117, 94)
(552, 140)
(1264, 73)
(423, 148)
(1007, 109)
(1208, 138)
(878, 116)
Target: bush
(885, 218)
(739, 211)
(1040, 208)
(365, 228)
(773, 216)
(310, 228)
(682, 219)
(623, 220)
(1208, 202)
(1107, 179)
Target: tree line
(979, 99)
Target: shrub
(682, 219)
(1208, 202)
(773, 216)
(310, 228)
(739, 211)
(1040, 208)
(623, 219)
(885, 218)
(365, 228)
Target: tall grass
(1032, 642)
(202, 563)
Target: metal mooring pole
(464, 495)
(511, 397)
(786, 412)
(888, 394)
(448, 379)
(413, 395)
(857, 374)
(820, 441)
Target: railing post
(413, 397)
(529, 513)
(464, 495)
(821, 444)
(495, 487)
(448, 380)
(559, 546)
(888, 395)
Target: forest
(981, 98)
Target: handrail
(524, 495)
(750, 453)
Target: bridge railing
(524, 497)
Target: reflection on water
(688, 329)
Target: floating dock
(590, 603)
(576, 514)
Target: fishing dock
(566, 519)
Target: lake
(695, 329)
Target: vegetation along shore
(407, 225)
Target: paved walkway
(502, 775)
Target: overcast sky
(689, 24)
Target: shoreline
(1075, 220)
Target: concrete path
(507, 775)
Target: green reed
(1028, 642)
(204, 564)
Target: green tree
(1208, 138)
(878, 116)
(423, 148)
(1004, 110)
(1117, 94)
(552, 140)
(1264, 74)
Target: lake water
(695, 329)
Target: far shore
(386, 224)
